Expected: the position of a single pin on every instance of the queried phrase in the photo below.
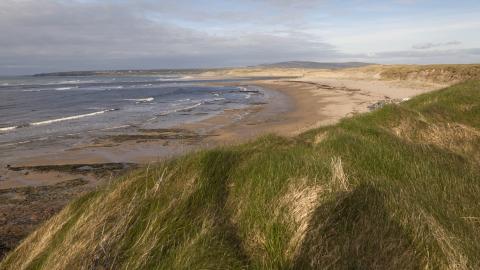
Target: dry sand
(318, 101)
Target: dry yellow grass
(300, 201)
(456, 137)
(339, 178)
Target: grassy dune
(441, 74)
(398, 188)
(433, 73)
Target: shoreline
(133, 145)
(294, 107)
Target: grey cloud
(56, 35)
(430, 45)
(44, 35)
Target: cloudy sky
(57, 35)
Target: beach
(292, 106)
(35, 187)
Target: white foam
(15, 143)
(64, 88)
(151, 119)
(73, 82)
(138, 100)
(69, 118)
(190, 107)
(32, 90)
(107, 88)
(50, 89)
(213, 99)
(7, 129)
(173, 78)
(181, 109)
(67, 82)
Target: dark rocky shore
(23, 209)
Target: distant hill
(125, 72)
(289, 64)
(320, 65)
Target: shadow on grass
(355, 231)
(216, 170)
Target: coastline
(294, 106)
(35, 189)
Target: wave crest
(140, 100)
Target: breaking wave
(4, 129)
(46, 122)
(140, 100)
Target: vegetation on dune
(432, 73)
(397, 188)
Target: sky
(63, 35)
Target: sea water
(41, 109)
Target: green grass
(398, 188)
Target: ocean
(72, 109)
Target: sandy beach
(45, 182)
